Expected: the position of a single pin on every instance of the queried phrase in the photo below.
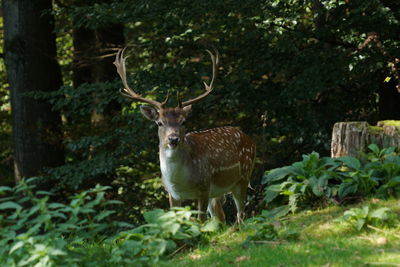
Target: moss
(390, 123)
(375, 129)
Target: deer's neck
(175, 170)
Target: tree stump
(352, 138)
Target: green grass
(323, 241)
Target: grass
(323, 241)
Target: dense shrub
(316, 180)
(360, 218)
(35, 231)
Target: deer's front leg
(202, 207)
(174, 202)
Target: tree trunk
(351, 138)
(389, 99)
(30, 57)
(107, 40)
(93, 62)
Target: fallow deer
(202, 165)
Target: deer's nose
(173, 140)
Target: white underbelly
(177, 181)
(181, 190)
(216, 191)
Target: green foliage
(305, 181)
(83, 232)
(37, 231)
(320, 241)
(376, 154)
(355, 178)
(162, 234)
(360, 218)
(316, 180)
(6, 164)
(296, 59)
(270, 226)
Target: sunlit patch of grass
(324, 241)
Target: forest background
(289, 70)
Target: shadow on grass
(326, 252)
(323, 242)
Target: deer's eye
(159, 123)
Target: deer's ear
(187, 109)
(149, 112)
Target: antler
(208, 87)
(127, 91)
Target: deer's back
(226, 150)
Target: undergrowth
(322, 237)
(34, 231)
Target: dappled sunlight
(324, 240)
(388, 257)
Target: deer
(200, 165)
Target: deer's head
(170, 121)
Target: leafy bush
(360, 218)
(36, 231)
(356, 178)
(315, 180)
(376, 154)
(270, 226)
(163, 234)
(303, 181)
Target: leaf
(293, 202)
(45, 193)
(212, 225)
(153, 215)
(10, 205)
(374, 148)
(351, 162)
(160, 246)
(114, 202)
(293, 188)
(171, 228)
(103, 215)
(16, 246)
(360, 224)
(123, 224)
(56, 252)
(317, 190)
(347, 188)
(271, 192)
(382, 213)
(276, 174)
(276, 212)
(389, 150)
(394, 181)
(55, 205)
(5, 188)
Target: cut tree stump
(352, 138)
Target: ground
(324, 240)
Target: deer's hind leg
(239, 193)
(215, 208)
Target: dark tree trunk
(389, 100)
(389, 96)
(107, 40)
(30, 57)
(84, 42)
(93, 61)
